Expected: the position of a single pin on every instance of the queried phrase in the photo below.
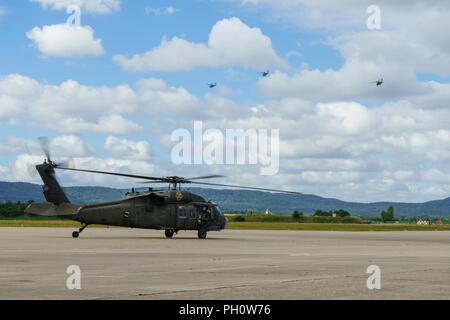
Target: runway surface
(141, 264)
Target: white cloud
(413, 37)
(127, 149)
(160, 11)
(90, 6)
(160, 97)
(114, 124)
(69, 107)
(9, 107)
(231, 43)
(74, 108)
(61, 147)
(62, 40)
(351, 82)
(80, 155)
(24, 170)
(69, 146)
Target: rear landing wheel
(202, 233)
(169, 234)
(76, 234)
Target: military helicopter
(265, 73)
(378, 82)
(170, 210)
(212, 85)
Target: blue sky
(341, 136)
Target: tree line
(12, 209)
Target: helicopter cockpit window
(206, 213)
(217, 211)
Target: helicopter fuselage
(160, 210)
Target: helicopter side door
(181, 217)
(140, 216)
(192, 216)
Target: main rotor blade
(206, 177)
(243, 187)
(65, 164)
(114, 174)
(150, 182)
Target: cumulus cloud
(127, 149)
(231, 43)
(410, 42)
(351, 151)
(160, 11)
(160, 96)
(70, 107)
(340, 135)
(73, 108)
(90, 6)
(81, 155)
(24, 170)
(62, 40)
(61, 147)
(351, 82)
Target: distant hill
(237, 200)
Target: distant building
(440, 222)
(423, 222)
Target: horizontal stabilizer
(51, 210)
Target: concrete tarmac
(142, 264)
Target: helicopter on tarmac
(170, 210)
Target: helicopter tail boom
(51, 210)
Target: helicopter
(265, 73)
(171, 210)
(378, 82)
(212, 85)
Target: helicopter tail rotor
(45, 146)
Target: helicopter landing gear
(202, 233)
(76, 234)
(170, 233)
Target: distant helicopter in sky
(378, 82)
(265, 73)
(212, 85)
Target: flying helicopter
(171, 210)
(212, 85)
(378, 82)
(265, 73)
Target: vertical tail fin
(52, 190)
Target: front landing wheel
(169, 234)
(75, 234)
(202, 233)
